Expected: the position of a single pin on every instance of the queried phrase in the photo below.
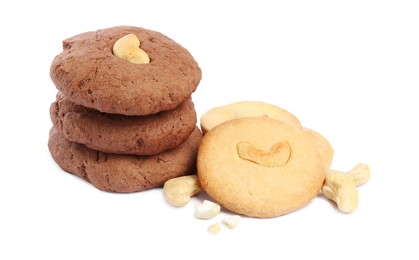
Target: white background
(348, 69)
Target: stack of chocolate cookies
(122, 126)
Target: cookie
(323, 146)
(88, 73)
(112, 133)
(124, 173)
(242, 109)
(260, 167)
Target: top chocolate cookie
(89, 74)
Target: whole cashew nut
(341, 187)
(178, 191)
(128, 48)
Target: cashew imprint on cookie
(277, 156)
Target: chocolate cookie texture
(112, 133)
(89, 74)
(124, 173)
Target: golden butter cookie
(323, 146)
(243, 109)
(260, 167)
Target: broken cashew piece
(178, 191)
(341, 187)
(128, 48)
(232, 221)
(207, 210)
(214, 228)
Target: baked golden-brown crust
(323, 146)
(251, 189)
(243, 109)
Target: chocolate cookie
(89, 74)
(124, 173)
(111, 133)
